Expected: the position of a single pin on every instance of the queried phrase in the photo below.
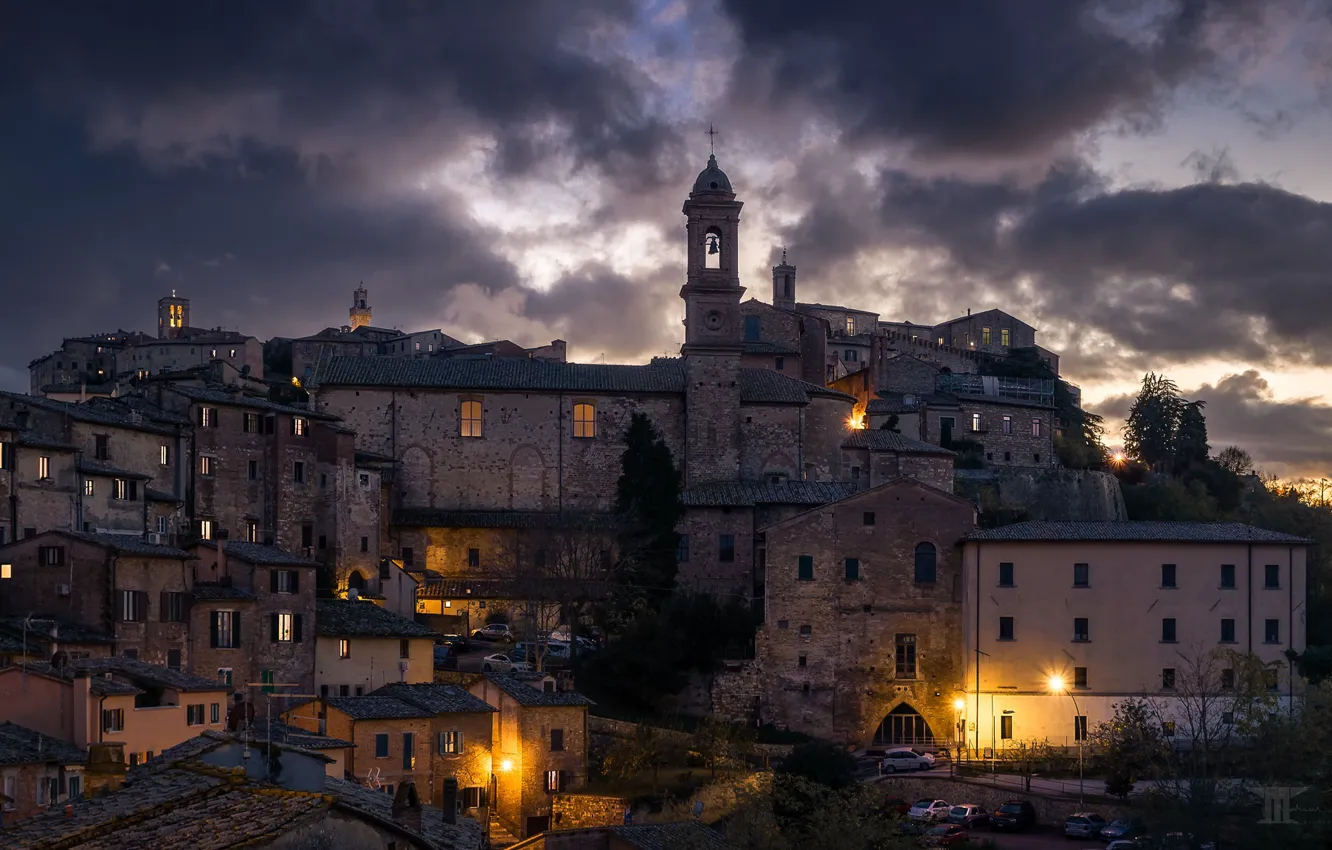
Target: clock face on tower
(713, 320)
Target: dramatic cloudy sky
(1146, 182)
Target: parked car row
(1127, 833)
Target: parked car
(1014, 816)
(1122, 828)
(1183, 841)
(968, 815)
(458, 642)
(930, 811)
(446, 657)
(501, 663)
(897, 806)
(1123, 844)
(550, 653)
(494, 632)
(903, 759)
(1084, 825)
(946, 835)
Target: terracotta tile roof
(444, 518)
(372, 707)
(517, 686)
(343, 618)
(889, 441)
(40, 628)
(94, 467)
(125, 544)
(143, 674)
(761, 347)
(435, 697)
(99, 685)
(294, 736)
(115, 414)
(466, 834)
(21, 745)
(1137, 532)
(239, 399)
(217, 591)
(669, 836)
(748, 493)
(259, 554)
(664, 376)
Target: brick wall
(712, 417)
(1019, 446)
(770, 441)
(847, 682)
(907, 374)
(826, 422)
(705, 569)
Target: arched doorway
(903, 727)
(356, 581)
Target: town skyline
(1164, 217)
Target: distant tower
(173, 316)
(713, 339)
(783, 284)
(360, 308)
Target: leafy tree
(649, 748)
(1235, 460)
(891, 424)
(648, 501)
(821, 762)
(1128, 745)
(1153, 423)
(721, 743)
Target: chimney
(449, 805)
(407, 805)
(106, 767)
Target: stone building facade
(136, 592)
(253, 619)
(1010, 432)
(991, 331)
(539, 747)
(859, 640)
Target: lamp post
(1057, 686)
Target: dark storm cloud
(960, 77)
(262, 157)
(601, 311)
(1287, 437)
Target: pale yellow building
(144, 707)
(360, 646)
(1094, 612)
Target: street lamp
(1057, 686)
(958, 705)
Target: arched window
(585, 420)
(927, 558)
(712, 248)
(469, 419)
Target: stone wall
(1045, 494)
(579, 811)
(704, 567)
(828, 645)
(735, 692)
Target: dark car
(1084, 825)
(460, 643)
(1014, 816)
(1122, 828)
(946, 835)
(897, 806)
(446, 657)
(968, 815)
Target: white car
(903, 759)
(501, 663)
(930, 811)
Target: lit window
(1036, 427)
(206, 529)
(88, 488)
(6, 571)
(552, 781)
(164, 456)
(43, 467)
(251, 531)
(344, 648)
(1008, 424)
(207, 465)
(450, 743)
(585, 420)
(470, 419)
(208, 417)
(985, 336)
(300, 426)
(283, 628)
(975, 422)
(194, 715)
(1004, 338)
(850, 326)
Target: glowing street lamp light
(506, 765)
(1057, 687)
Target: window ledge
(1271, 587)
(1081, 640)
(1006, 640)
(1226, 587)
(1170, 641)
(1006, 586)
(1082, 587)
(1168, 587)
(1228, 642)
(1272, 643)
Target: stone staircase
(499, 836)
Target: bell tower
(359, 314)
(713, 333)
(783, 285)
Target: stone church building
(484, 447)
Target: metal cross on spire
(712, 148)
(783, 255)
